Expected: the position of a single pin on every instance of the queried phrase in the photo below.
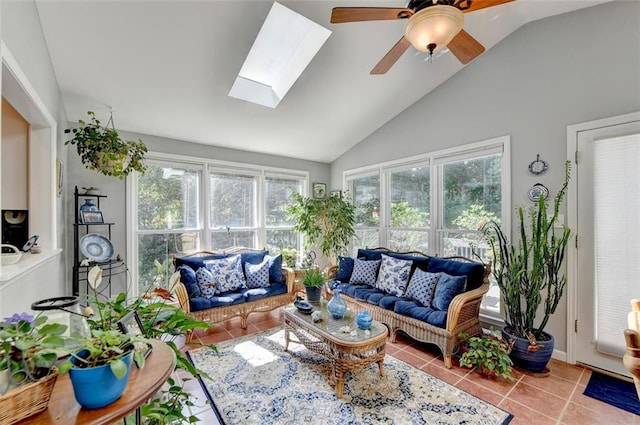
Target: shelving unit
(110, 268)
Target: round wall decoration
(538, 190)
(538, 166)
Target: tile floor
(556, 399)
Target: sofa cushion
(275, 269)
(422, 286)
(206, 282)
(269, 291)
(447, 288)
(257, 275)
(350, 288)
(363, 293)
(227, 272)
(393, 275)
(376, 254)
(227, 298)
(417, 311)
(388, 302)
(195, 261)
(188, 278)
(473, 270)
(365, 271)
(345, 268)
(252, 257)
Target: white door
(608, 248)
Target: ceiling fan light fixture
(433, 25)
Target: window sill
(28, 262)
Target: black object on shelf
(110, 268)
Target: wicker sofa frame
(463, 315)
(242, 310)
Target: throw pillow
(228, 273)
(422, 286)
(275, 269)
(257, 274)
(365, 271)
(188, 279)
(447, 288)
(345, 269)
(393, 275)
(206, 282)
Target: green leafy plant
(327, 222)
(529, 272)
(489, 354)
(289, 256)
(313, 277)
(29, 347)
(101, 148)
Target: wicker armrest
(469, 299)
(331, 272)
(290, 278)
(183, 297)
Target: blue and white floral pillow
(227, 272)
(422, 286)
(206, 282)
(257, 274)
(365, 271)
(394, 275)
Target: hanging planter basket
(102, 150)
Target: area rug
(254, 381)
(613, 391)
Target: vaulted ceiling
(166, 68)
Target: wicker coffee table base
(345, 356)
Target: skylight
(283, 48)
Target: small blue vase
(364, 319)
(88, 205)
(336, 306)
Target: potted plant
(489, 355)
(529, 273)
(29, 349)
(101, 148)
(325, 222)
(313, 281)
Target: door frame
(572, 220)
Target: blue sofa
(212, 289)
(431, 299)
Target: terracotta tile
(412, 359)
(578, 414)
(584, 379)
(522, 415)
(553, 384)
(441, 373)
(479, 391)
(390, 349)
(212, 339)
(251, 329)
(421, 352)
(541, 401)
(500, 386)
(566, 371)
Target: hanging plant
(102, 150)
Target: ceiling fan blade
(341, 15)
(464, 47)
(483, 4)
(391, 57)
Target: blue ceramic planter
(97, 387)
(526, 359)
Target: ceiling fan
(431, 25)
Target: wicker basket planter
(27, 400)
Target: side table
(63, 408)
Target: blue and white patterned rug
(256, 382)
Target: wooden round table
(63, 408)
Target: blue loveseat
(431, 299)
(235, 282)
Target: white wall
(549, 74)
(114, 207)
(22, 34)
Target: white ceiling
(166, 68)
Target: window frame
(206, 166)
(436, 161)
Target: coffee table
(346, 351)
